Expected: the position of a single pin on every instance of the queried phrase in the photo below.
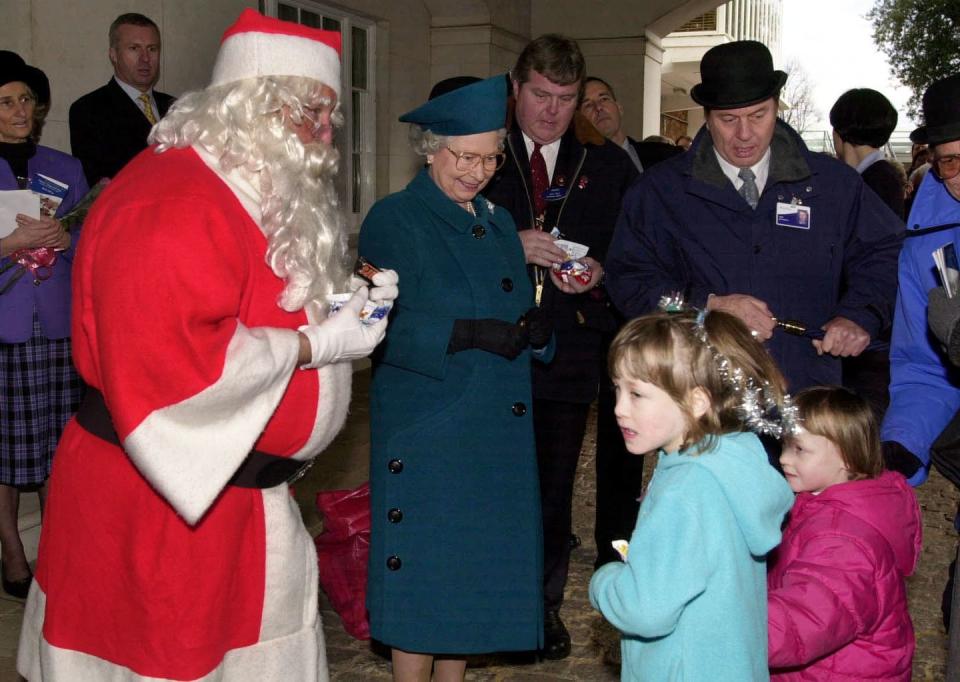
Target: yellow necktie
(147, 108)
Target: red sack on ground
(342, 551)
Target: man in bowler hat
(924, 389)
(721, 225)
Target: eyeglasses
(467, 161)
(8, 103)
(947, 166)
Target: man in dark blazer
(109, 126)
(599, 104)
(619, 473)
(579, 179)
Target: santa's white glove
(342, 336)
(385, 288)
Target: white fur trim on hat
(255, 54)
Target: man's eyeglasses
(947, 166)
(467, 161)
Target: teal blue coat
(456, 543)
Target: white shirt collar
(134, 94)
(869, 160)
(761, 170)
(550, 153)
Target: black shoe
(556, 639)
(16, 588)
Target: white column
(652, 73)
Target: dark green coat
(456, 546)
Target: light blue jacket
(924, 387)
(691, 600)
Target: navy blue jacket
(684, 228)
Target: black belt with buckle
(259, 469)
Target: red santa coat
(150, 566)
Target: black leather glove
(506, 339)
(898, 458)
(539, 327)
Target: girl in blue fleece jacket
(691, 598)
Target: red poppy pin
(583, 182)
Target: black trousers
(558, 428)
(619, 480)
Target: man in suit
(599, 104)
(109, 126)
(619, 473)
(561, 179)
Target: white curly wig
(242, 124)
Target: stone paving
(595, 646)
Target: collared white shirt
(550, 153)
(761, 171)
(134, 94)
(869, 160)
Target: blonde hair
(846, 420)
(242, 124)
(668, 351)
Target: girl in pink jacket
(837, 603)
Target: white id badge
(796, 216)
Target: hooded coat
(698, 559)
(924, 386)
(838, 604)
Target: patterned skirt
(39, 392)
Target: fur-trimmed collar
(787, 158)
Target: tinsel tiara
(758, 406)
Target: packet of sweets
(371, 313)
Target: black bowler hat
(737, 74)
(13, 68)
(941, 113)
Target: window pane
(357, 120)
(286, 12)
(311, 19)
(359, 57)
(331, 24)
(357, 189)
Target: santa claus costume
(172, 547)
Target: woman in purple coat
(39, 386)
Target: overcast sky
(833, 42)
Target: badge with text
(796, 216)
(555, 193)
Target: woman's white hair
(243, 125)
(424, 142)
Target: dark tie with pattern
(748, 190)
(538, 173)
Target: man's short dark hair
(863, 117)
(129, 19)
(554, 56)
(597, 79)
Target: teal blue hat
(475, 108)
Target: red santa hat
(256, 46)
